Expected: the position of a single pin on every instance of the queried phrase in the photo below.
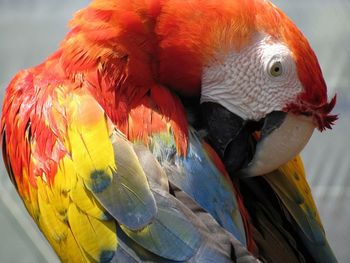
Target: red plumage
(134, 57)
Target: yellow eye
(276, 69)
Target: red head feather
(168, 42)
(313, 100)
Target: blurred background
(31, 30)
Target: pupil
(277, 69)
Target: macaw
(169, 131)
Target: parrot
(170, 131)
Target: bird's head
(258, 73)
(259, 82)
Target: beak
(282, 137)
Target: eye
(276, 69)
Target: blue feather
(196, 175)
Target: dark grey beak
(282, 137)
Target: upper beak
(282, 137)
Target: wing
(200, 178)
(284, 214)
(290, 185)
(97, 197)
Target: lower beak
(283, 136)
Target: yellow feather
(31, 203)
(71, 218)
(295, 172)
(89, 139)
(71, 252)
(97, 238)
(86, 201)
(290, 184)
(55, 226)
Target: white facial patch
(253, 82)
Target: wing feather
(86, 201)
(98, 239)
(109, 199)
(108, 166)
(51, 216)
(292, 188)
(198, 176)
